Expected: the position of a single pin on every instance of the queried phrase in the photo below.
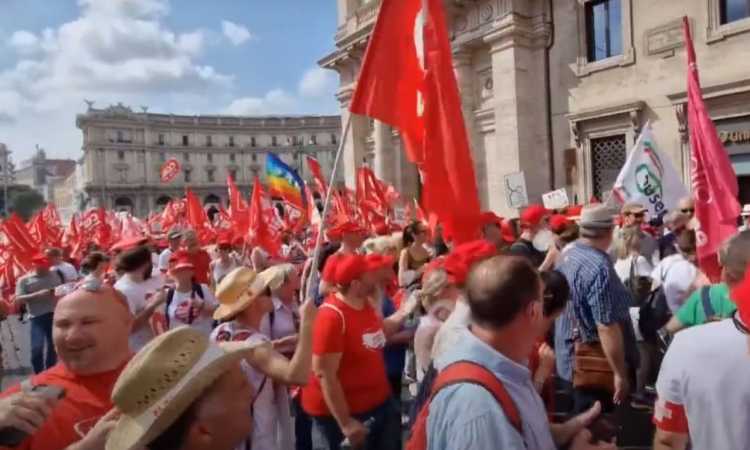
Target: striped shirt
(597, 296)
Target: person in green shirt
(734, 257)
(693, 311)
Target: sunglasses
(224, 248)
(688, 210)
(637, 215)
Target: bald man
(90, 331)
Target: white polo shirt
(704, 387)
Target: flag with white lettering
(648, 178)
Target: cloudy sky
(179, 56)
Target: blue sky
(181, 56)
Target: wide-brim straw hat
(236, 291)
(163, 380)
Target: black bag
(639, 286)
(654, 313)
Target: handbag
(591, 369)
(638, 285)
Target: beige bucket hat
(240, 287)
(163, 380)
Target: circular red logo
(169, 170)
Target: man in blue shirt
(505, 297)
(597, 311)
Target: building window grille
(608, 155)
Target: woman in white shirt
(224, 262)
(188, 303)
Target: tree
(26, 203)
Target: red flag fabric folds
(407, 81)
(320, 182)
(260, 233)
(237, 207)
(714, 182)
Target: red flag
(20, 241)
(714, 181)
(317, 173)
(260, 233)
(197, 218)
(421, 99)
(237, 207)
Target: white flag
(649, 179)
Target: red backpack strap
(469, 372)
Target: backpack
(654, 313)
(639, 286)
(464, 372)
(197, 290)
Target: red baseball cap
(490, 218)
(128, 243)
(376, 261)
(463, 257)
(181, 260)
(40, 260)
(352, 267)
(558, 223)
(533, 215)
(347, 227)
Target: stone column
(385, 155)
(521, 134)
(354, 145)
(466, 78)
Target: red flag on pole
(320, 182)
(714, 181)
(260, 233)
(197, 217)
(237, 207)
(407, 81)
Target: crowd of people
(403, 340)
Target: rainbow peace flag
(284, 182)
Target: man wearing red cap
(200, 258)
(36, 290)
(533, 225)
(350, 387)
(351, 236)
(492, 230)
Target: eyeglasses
(688, 210)
(637, 215)
(741, 327)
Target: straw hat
(239, 288)
(163, 380)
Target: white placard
(515, 190)
(556, 199)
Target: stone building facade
(123, 152)
(560, 89)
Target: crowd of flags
(406, 81)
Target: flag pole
(326, 205)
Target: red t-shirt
(202, 262)
(87, 399)
(358, 336)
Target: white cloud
(237, 34)
(115, 50)
(276, 101)
(24, 42)
(315, 94)
(318, 82)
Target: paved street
(15, 340)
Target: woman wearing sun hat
(182, 392)
(188, 302)
(244, 299)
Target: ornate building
(125, 150)
(559, 90)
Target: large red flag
(714, 181)
(407, 81)
(320, 182)
(260, 233)
(197, 218)
(237, 207)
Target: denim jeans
(41, 338)
(302, 426)
(384, 432)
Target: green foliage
(25, 203)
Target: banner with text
(649, 178)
